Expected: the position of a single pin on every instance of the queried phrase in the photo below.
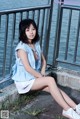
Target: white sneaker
(78, 109)
(71, 114)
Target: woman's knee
(51, 79)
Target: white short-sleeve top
(18, 71)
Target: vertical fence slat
(27, 14)
(33, 14)
(5, 45)
(57, 37)
(12, 41)
(38, 17)
(77, 38)
(0, 21)
(20, 17)
(42, 26)
(68, 34)
(48, 30)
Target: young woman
(29, 70)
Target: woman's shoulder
(37, 44)
(22, 45)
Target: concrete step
(8, 95)
(6, 82)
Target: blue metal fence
(9, 22)
(67, 43)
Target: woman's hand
(40, 75)
(43, 72)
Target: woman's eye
(33, 29)
(27, 29)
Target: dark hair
(22, 27)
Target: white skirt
(24, 87)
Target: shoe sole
(67, 116)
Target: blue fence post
(46, 40)
(57, 33)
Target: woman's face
(31, 33)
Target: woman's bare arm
(43, 68)
(23, 56)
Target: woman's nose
(31, 31)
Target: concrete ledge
(8, 95)
(68, 78)
(6, 82)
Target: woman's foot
(71, 114)
(78, 109)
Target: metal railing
(9, 22)
(65, 51)
(67, 43)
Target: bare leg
(49, 82)
(68, 100)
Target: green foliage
(34, 112)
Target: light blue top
(19, 72)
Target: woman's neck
(32, 46)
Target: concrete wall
(68, 78)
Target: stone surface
(68, 78)
(44, 106)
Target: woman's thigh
(41, 83)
